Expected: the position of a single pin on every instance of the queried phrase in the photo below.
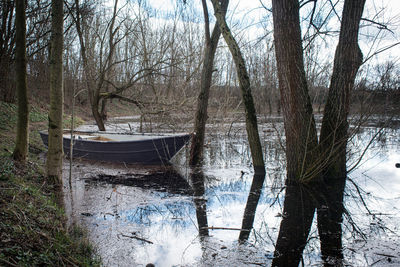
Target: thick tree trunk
(244, 82)
(103, 111)
(300, 131)
(333, 139)
(96, 114)
(22, 139)
(196, 152)
(55, 151)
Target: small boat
(122, 148)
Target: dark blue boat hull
(150, 151)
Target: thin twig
(360, 195)
(277, 196)
(365, 150)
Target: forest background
(150, 59)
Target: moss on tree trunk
(55, 151)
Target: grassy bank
(32, 226)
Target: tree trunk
(300, 131)
(333, 139)
(244, 82)
(7, 89)
(108, 73)
(196, 152)
(55, 151)
(21, 144)
(103, 110)
(7, 42)
(96, 113)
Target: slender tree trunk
(7, 42)
(55, 151)
(196, 152)
(22, 139)
(109, 64)
(333, 139)
(300, 131)
(244, 82)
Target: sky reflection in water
(134, 226)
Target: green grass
(67, 121)
(37, 115)
(33, 229)
(32, 225)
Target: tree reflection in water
(200, 200)
(251, 205)
(225, 194)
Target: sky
(252, 16)
(250, 21)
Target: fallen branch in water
(224, 228)
(386, 255)
(253, 263)
(137, 238)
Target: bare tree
(211, 42)
(244, 81)
(300, 132)
(93, 92)
(316, 173)
(100, 44)
(334, 133)
(55, 152)
(21, 143)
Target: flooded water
(134, 217)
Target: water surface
(133, 224)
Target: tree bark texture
(211, 43)
(334, 136)
(244, 83)
(300, 132)
(55, 151)
(21, 144)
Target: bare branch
(381, 26)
